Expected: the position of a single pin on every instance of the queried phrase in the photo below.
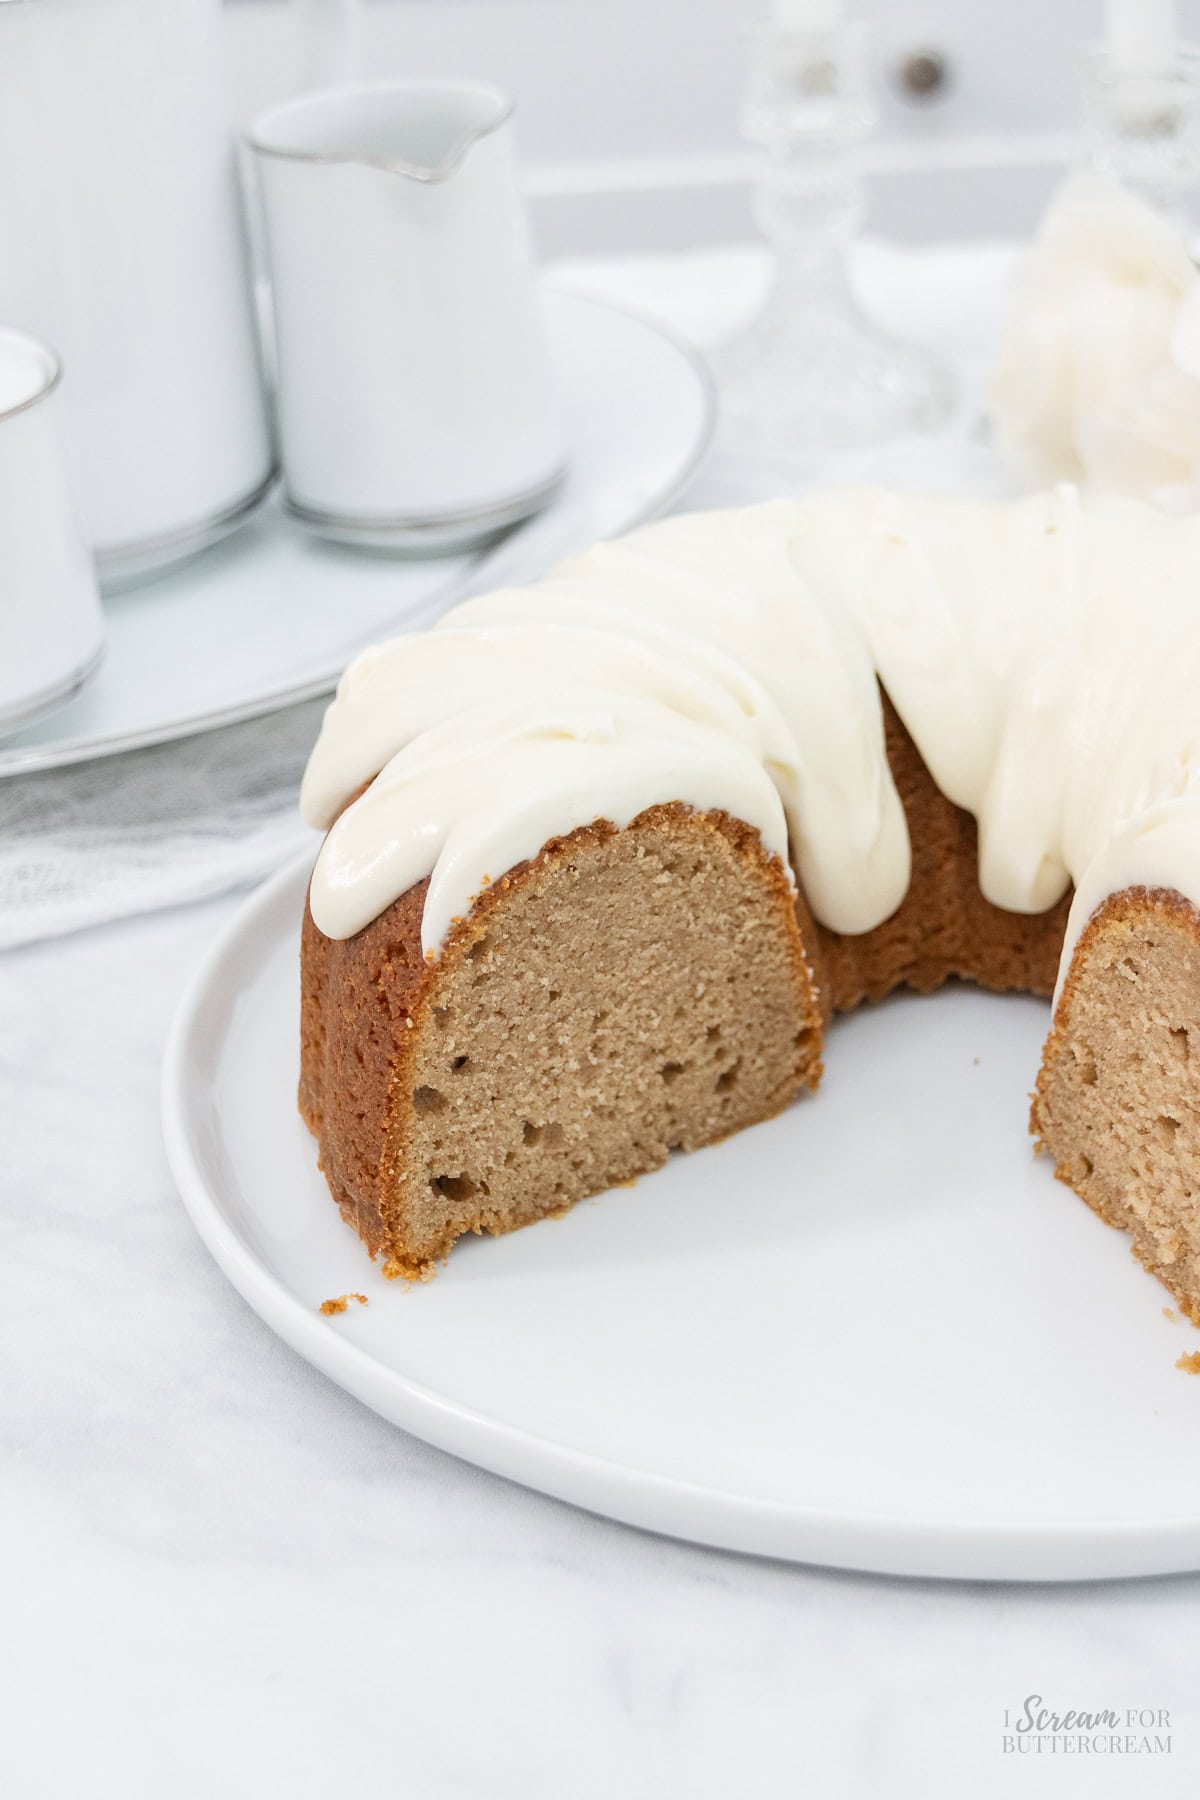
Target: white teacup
(122, 241)
(415, 404)
(51, 629)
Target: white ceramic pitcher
(122, 242)
(416, 405)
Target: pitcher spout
(426, 140)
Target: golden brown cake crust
(944, 927)
(357, 999)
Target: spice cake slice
(626, 993)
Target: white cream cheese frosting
(1044, 653)
(472, 797)
(1098, 378)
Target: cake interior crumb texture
(637, 995)
(626, 994)
(1118, 1096)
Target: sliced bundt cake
(623, 994)
(604, 854)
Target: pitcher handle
(331, 41)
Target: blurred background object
(810, 372)
(50, 626)
(122, 242)
(1098, 375)
(629, 108)
(1097, 380)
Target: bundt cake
(604, 854)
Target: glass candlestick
(1144, 129)
(811, 373)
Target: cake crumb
(1189, 1362)
(340, 1302)
(1168, 1314)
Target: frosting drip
(472, 797)
(1042, 653)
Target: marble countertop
(221, 1575)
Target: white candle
(1140, 36)
(810, 16)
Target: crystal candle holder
(1145, 129)
(811, 372)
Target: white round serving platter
(872, 1333)
(273, 614)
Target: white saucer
(272, 615)
(873, 1332)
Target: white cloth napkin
(129, 834)
(153, 828)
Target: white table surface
(221, 1576)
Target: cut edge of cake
(1117, 1102)
(626, 993)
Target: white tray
(874, 1332)
(272, 615)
